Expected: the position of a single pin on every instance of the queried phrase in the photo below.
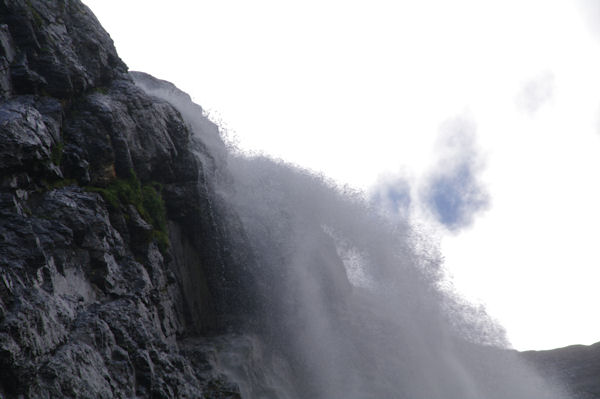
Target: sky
(479, 120)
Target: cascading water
(347, 304)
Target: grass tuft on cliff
(146, 199)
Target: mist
(346, 303)
(362, 93)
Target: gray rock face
(27, 141)
(577, 367)
(55, 47)
(94, 301)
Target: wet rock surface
(101, 286)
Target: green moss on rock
(146, 199)
(57, 154)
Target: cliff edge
(110, 255)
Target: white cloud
(536, 92)
(590, 11)
(392, 196)
(453, 191)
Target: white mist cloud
(362, 91)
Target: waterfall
(346, 304)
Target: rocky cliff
(111, 257)
(576, 366)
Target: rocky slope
(577, 367)
(110, 255)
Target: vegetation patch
(37, 18)
(57, 153)
(58, 184)
(146, 199)
(101, 90)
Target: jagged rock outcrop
(108, 243)
(54, 47)
(576, 366)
